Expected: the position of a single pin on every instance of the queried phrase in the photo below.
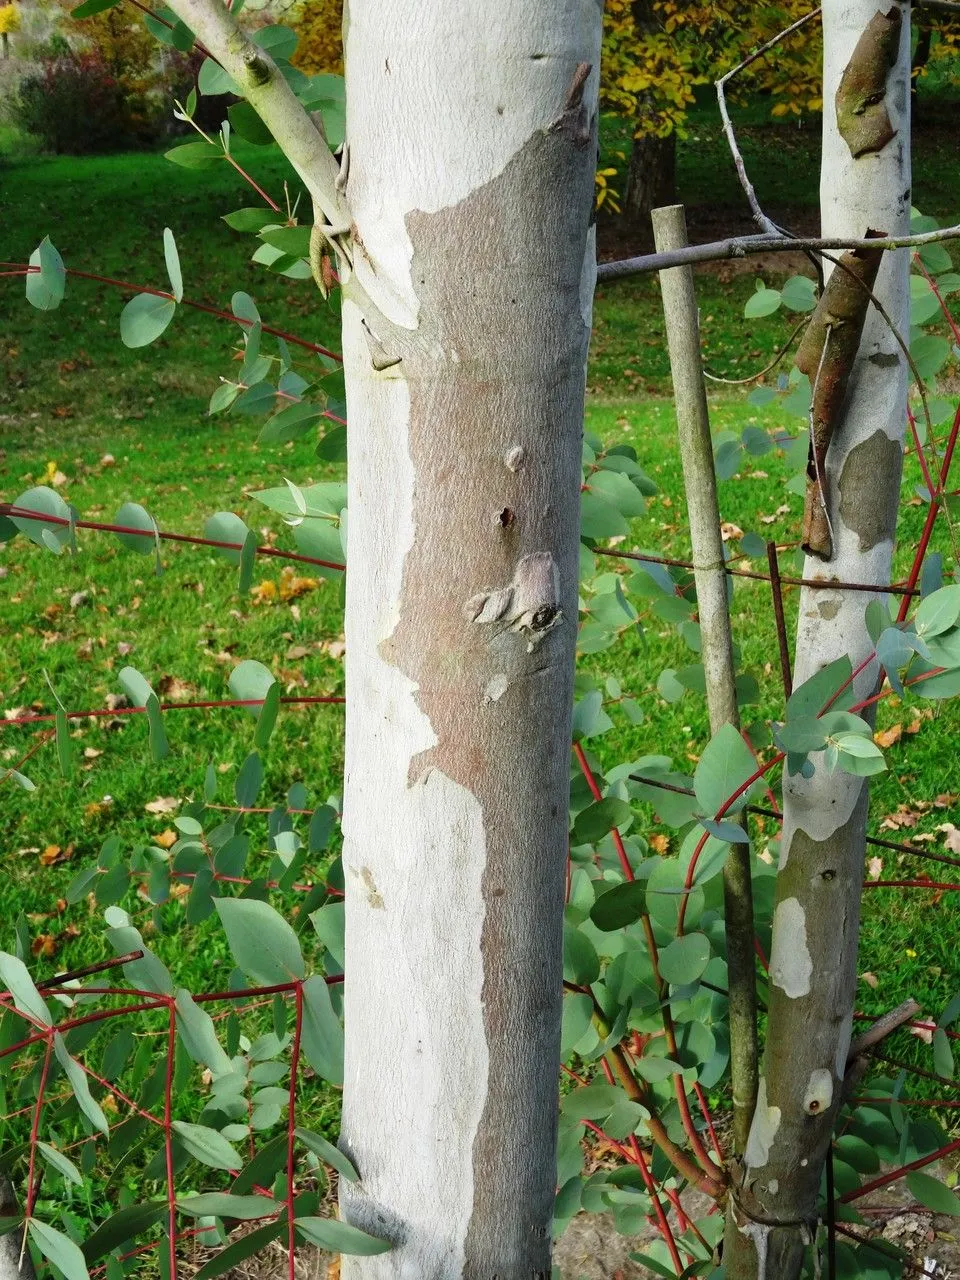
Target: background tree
(657, 53)
(853, 356)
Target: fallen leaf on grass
(44, 944)
(728, 531)
(290, 586)
(875, 868)
(887, 737)
(173, 689)
(905, 816)
(871, 980)
(165, 839)
(923, 1033)
(659, 843)
(162, 804)
(53, 855)
(780, 511)
(264, 592)
(951, 838)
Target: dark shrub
(74, 104)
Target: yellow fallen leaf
(264, 592)
(165, 839)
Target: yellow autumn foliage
(318, 23)
(656, 53)
(9, 19)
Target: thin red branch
(818, 584)
(909, 884)
(175, 706)
(169, 25)
(894, 1175)
(933, 509)
(168, 1138)
(11, 509)
(702, 1100)
(947, 313)
(291, 1133)
(598, 796)
(663, 1222)
(102, 1016)
(35, 1125)
(22, 269)
(42, 739)
(88, 970)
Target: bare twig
(759, 216)
(883, 1027)
(73, 975)
(255, 72)
(783, 644)
(745, 246)
(739, 382)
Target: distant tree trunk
(472, 146)
(865, 184)
(651, 180)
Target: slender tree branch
(883, 1027)
(21, 269)
(739, 382)
(744, 246)
(258, 77)
(759, 216)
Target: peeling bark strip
(471, 186)
(862, 116)
(816, 915)
(826, 355)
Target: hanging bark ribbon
(826, 355)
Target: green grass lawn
(132, 426)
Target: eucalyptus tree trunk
(472, 144)
(865, 185)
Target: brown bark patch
(862, 117)
(826, 355)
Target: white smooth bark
(813, 962)
(472, 144)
